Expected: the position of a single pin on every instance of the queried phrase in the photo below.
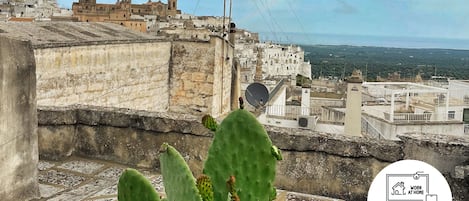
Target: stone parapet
(346, 146)
(121, 118)
(314, 163)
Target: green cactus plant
(177, 177)
(242, 148)
(240, 165)
(134, 186)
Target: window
(451, 114)
(465, 116)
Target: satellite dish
(257, 94)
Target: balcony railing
(407, 117)
(369, 130)
(290, 111)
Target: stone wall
(18, 121)
(184, 76)
(201, 77)
(127, 75)
(322, 164)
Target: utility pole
(343, 72)
(366, 71)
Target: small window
(451, 114)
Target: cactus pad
(134, 186)
(177, 178)
(242, 148)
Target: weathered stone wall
(184, 76)
(127, 75)
(198, 85)
(18, 121)
(322, 164)
(121, 135)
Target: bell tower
(172, 7)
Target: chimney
(353, 111)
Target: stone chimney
(353, 111)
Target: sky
(444, 19)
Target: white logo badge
(409, 180)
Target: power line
(275, 23)
(300, 23)
(264, 18)
(196, 7)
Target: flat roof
(52, 34)
(405, 87)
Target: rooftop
(71, 33)
(79, 178)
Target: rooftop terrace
(77, 178)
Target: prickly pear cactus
(177, 178)
(204, 184)
(209, 122)
(241, 148)
(134, 186)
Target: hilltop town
(112, 82)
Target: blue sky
(408, 18)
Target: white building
(280, 61)
(399, 107)
(38, 9)
(393, 108)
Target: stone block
(56, 142)
(206, 89)
(56, 115)
(198, 77)
(189, 85)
